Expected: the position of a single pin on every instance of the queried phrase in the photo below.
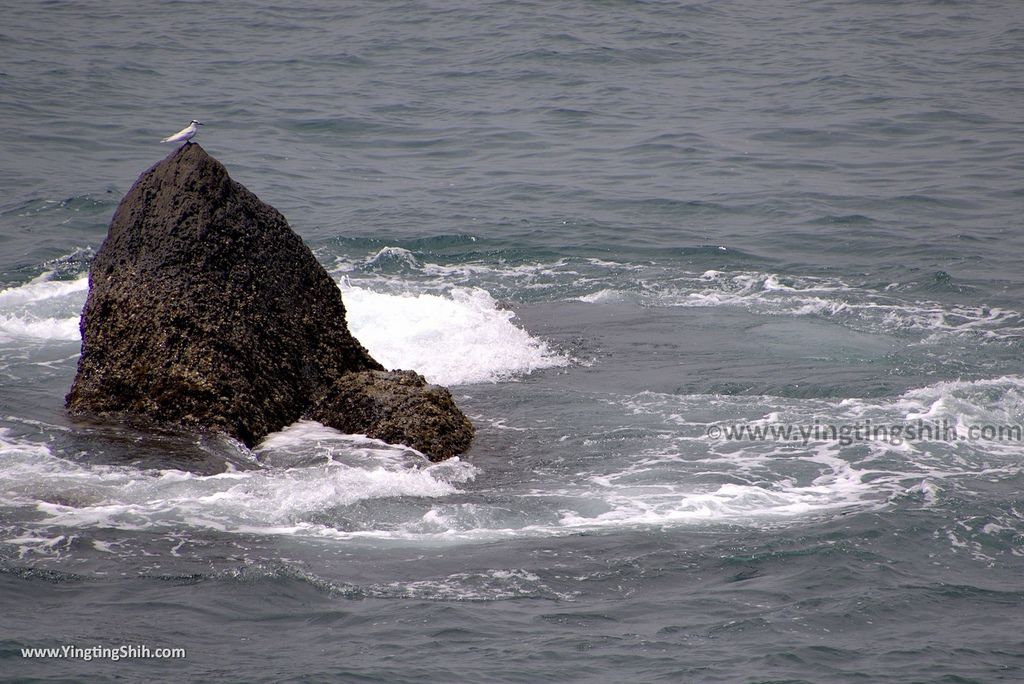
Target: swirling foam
(42, 309)
(457, 338)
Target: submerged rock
(396, 406)
(206, 310)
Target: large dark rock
(206, 310)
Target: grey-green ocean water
(619, 231)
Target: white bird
(186, 133)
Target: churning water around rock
(731, 291)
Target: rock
(206, 310)
(399, 407)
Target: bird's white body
(185, 134)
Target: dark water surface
(616, 230)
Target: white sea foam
(599, 282)
(42, 309)
(988, 412)
(42, 288)
(392, 258)
(490, 585)
(17, 327)
(301, 500)
(270, 500)
(763, 486)
(859, 308)
(312, 477)
(460, 337)
(603, 296)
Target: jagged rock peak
(206, 310)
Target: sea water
(694, 270)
